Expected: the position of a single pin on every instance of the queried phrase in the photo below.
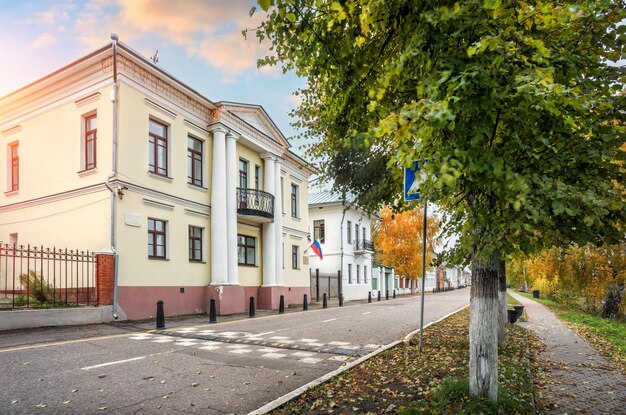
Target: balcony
(363, 246)
(255, 205)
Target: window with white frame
(349, 273)
(358, 274)
(319, 232)
(243, 173)
(295, 257)
(365, 274)
(349, 232)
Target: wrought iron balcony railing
(364, 245)
(252, 202)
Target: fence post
(369, 297)
(394, 293)
(340, 295)
(252, 311)
(325, 302)
(387, 294)
(160, 316)
(305, 304)
(105, 275)
(378, 295)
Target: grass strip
(403, 380)
(607, 336)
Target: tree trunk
(503, 313)
(612, 304)
(484, 317)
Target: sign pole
(423, 275)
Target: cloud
(210, 30)
(45, 39)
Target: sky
(198, 41)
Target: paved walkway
(581, 380)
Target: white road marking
(339, 343)
(186, 343)
(187, 329)
(209, 347)
(117, 362)
(310, 360)
(274, 355)
(330, 319)
(237, 346)
(263, 334)
(206, 332)
(286, 341)
(268, 350)
(240, 351)
(303, 354)
(315, 344)
(367, 312)
(371, 346)
(163, 340)
(279, 338)
(308, 340)
(142, 336)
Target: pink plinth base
(140, 302)
(269, 297)
(229, 299)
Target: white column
(219, 269)
(278, 222)
(231, 206)
(269, 229)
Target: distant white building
(345, 235)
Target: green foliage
(514, 103)
(37, 287)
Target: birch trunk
(503, 313)
(484, 317)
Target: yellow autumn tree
(398, 240)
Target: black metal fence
(38, 277)
(255, 202)
(324, 283)
(364, 245)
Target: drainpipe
(343, 216)
(113, 98)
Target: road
(231, 367)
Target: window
(257, 177)
(295, 257)
(349, 232)
(365, 274)
(158, 148)
(364, 235)
(246, 250)
(349, 273)
(294, 201)
(318, 231)
(89, 142)
(358, 274)
(356, 234)
(14, 167)
(374, 283)
(194, 161)
(13, 240)
(243, 174)
(157, 236)
(195, 243)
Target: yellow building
(199, 200)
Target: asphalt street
(195, 367)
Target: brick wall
(105, 274)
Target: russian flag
(315, 246)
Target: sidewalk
(581, 380)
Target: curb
(299, 391)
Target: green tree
(513, 102)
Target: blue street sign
(412, 180)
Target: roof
(327, 198)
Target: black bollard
(160, 321)
(369, 297)
(378, 295)
(212, 312)
(340, 300)
(305, 303)
(324, 301)
(281, 305)
(394, 294)
(252, 311)
(387, 295)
